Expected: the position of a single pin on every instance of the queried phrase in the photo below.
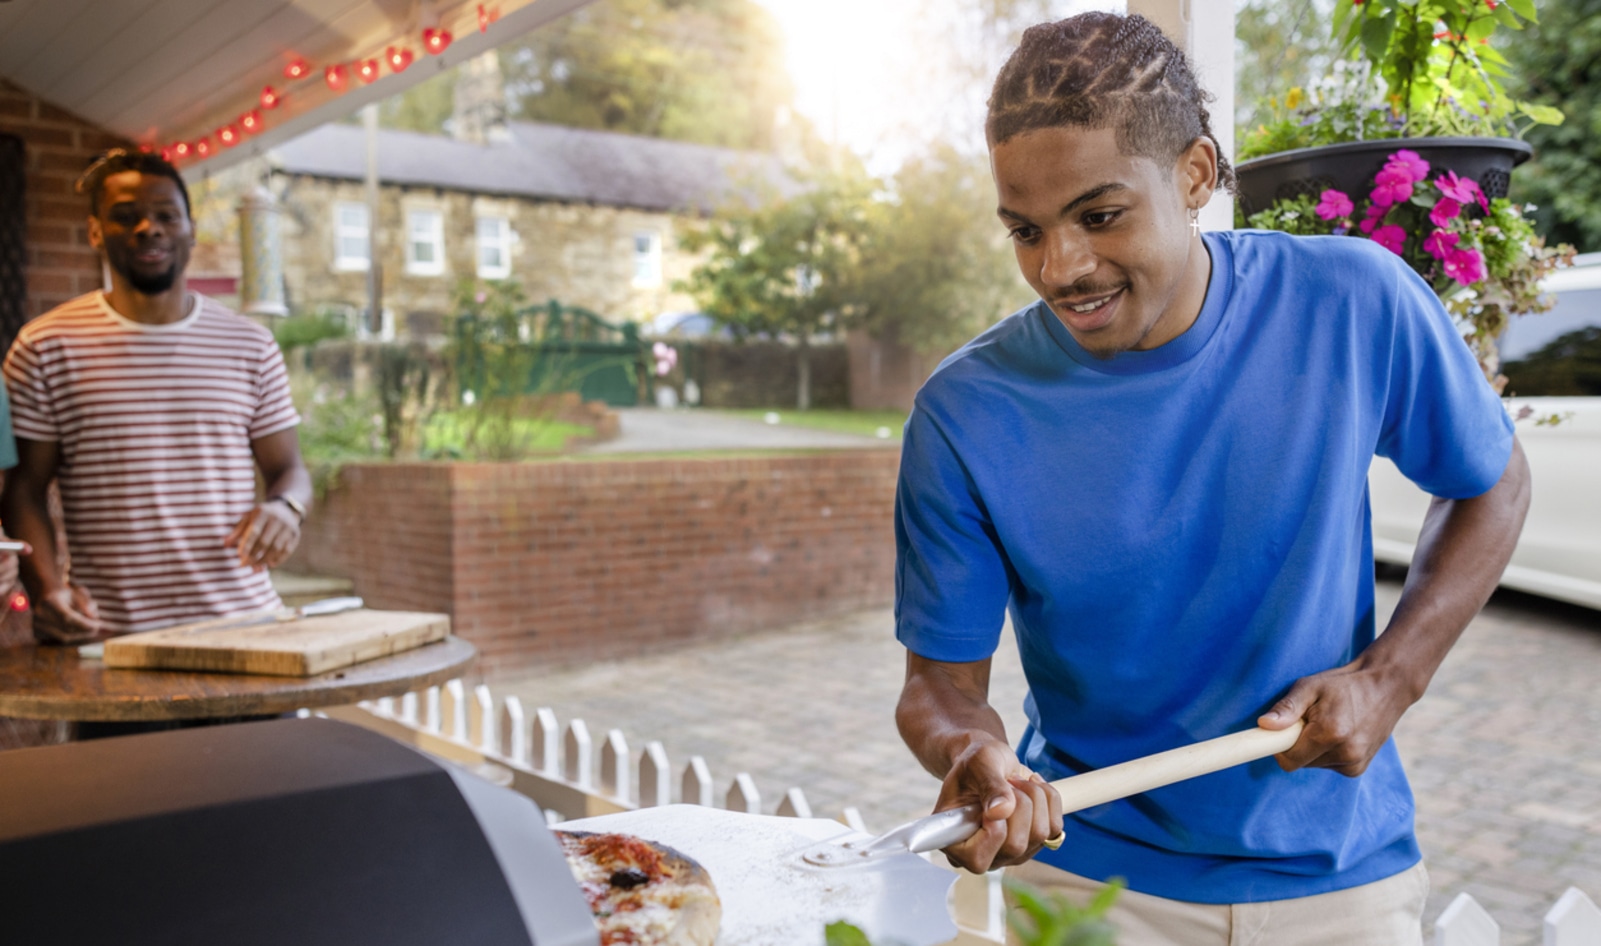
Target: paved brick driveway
(1502, 751)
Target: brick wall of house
(59, 145)
(551, 563)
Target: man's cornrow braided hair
(1097, 70)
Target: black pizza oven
(292, 831)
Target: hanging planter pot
(1350, 167)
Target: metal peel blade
(944, 828)
(936, 831)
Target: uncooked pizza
(642, 893)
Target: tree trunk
(803, 365)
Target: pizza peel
(772, 897)
(952, 826)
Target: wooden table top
(38, 682)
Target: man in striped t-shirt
(152, 407)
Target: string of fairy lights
(300, 76)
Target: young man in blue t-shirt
(1160, 470)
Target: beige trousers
(1387, 912)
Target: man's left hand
(265, 536)
(1349, 712)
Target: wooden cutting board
(300, 648)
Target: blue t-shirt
(1182, 533)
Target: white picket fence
(568, 776)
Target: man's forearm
(1461, 553)
(26, 512)
(943, 708)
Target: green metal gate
(548, 349)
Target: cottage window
(494, 247)
(647, 259)
(425, 243)
(351, 246)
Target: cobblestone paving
(1502, 752)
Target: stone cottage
(589, 218)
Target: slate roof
(549, 162)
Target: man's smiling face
(1103, 236)
(143, 228)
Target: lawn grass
(446, 435)
(863, 423)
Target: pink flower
(1408, 163)
(1463, 190)
(1333, 205)
(1392, 186)
(1466, 266)
(1444, 212)
(1391, 237)
(1439, 243)
(1374, 214)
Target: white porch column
(1205, 31)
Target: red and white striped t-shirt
(154, 424)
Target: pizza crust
(677, 905)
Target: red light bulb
(166, 155)
(229, 136)
(270, 97)
(181, 149)
(335, 77)
(399, 58)
(483, 19)
(203, 147)
(250, 121)
(436, 41)
(19, 602)
(296, 69)
(146, 148)
(368, 70)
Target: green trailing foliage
(1037, 918)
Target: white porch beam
(1204, 29)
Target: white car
(1559, 553)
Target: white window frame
(502, 241)
(647, 263)
(344, 231)
(434, 236)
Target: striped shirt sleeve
(33, 414)
(275, 411)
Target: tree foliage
(1279, 45)
(1558, 63)
(936, 267)
(787, 265)
(707, 71)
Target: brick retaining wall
(558, 562)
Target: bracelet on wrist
(294, 505)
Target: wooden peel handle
(1175, 765)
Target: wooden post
(794, 805)
(516, 733)
(655, 776)
(743, 796)
(696, 787)
(481, 719)
(1464, 923)
(1574, 921)
(386, 706)
(547, 743)
(578, 756)
(1204, 29)
(408, 709)
(453, 720)
(616, 777)
(431, 720)
(851, 817)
